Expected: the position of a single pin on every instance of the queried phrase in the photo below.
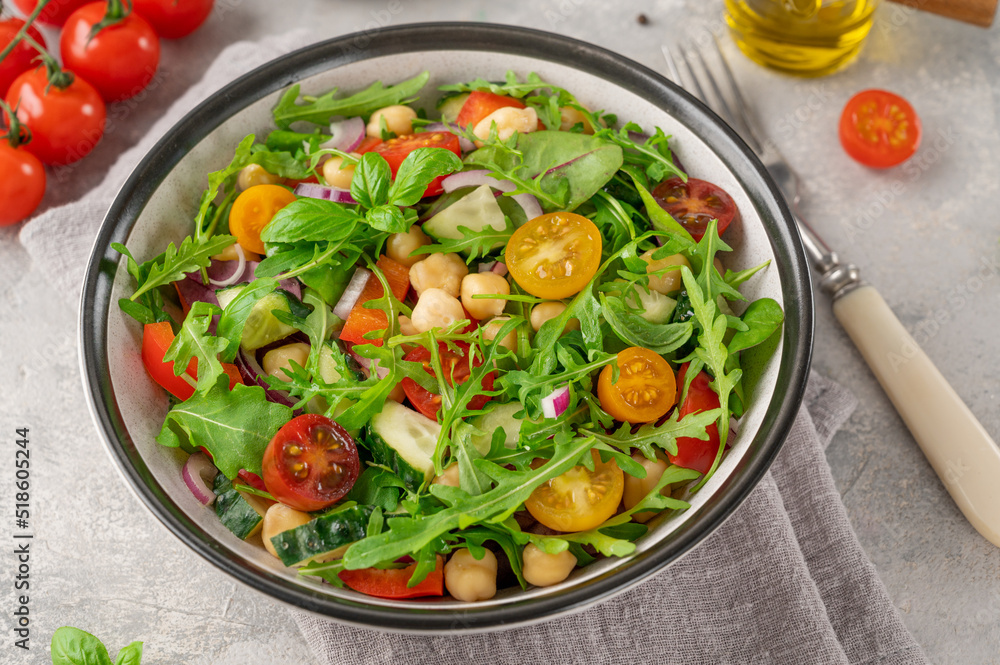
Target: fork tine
(751, 135)
(668, 55)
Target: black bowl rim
(288, 69)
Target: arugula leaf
(234, 426)
(217, 180)
(193, 341)
(762, 317)
(176, 262)
(370, 184)
(72, 646)
(475, 244)
(234, 317)
(507, 535)
(417, 171)
(280, 163)
(637, 331)
(663, 436)
(319, 110)
(149, 308)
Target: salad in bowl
(443, 342)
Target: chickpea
(484, 283)
(278, 519)
(636, 489)
(255, 174)
(543, 569)
(337, 173)
(406, 326)
(436, 308)
(491, 329)
(398, 120)
(439, 271)
(508, 120)
(544, 311)
(400, 246)
(276, 361)
(397, 394)
(448, 477)
(571, 117)
(471, 579)
(669, 282)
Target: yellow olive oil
(805, 37)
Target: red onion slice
(347, 135)
(475, 178)
(368, 363)
(556, 403)
(237, 274)
(529, 204)
(487, 267)
(351, 294)
(499, 268)
(253, 375)
(198, 474)
(312, 190)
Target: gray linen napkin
(783, 581)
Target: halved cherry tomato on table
(156, 339)
(879, 129)
(66, 123)
(310, 463)
(554, 256)
(55, 13)
(22, 183)
(363, 320)
(21, 58)
(579, 499)
(253, 210)
(695, 203)
(645, 389)
(173, 19)
(480, 104)
(396, 149)
(391, 582)
(119, 61)
(457, 372)
(697, 454)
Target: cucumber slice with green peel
(228, 294)
(476, 211)
(404, 441)
(322, 536)
(657, 308)
(499, 417)
(450, 105)
(263, 327)
(234, 510)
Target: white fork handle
(956, 444)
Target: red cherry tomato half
(695, 453)
(368, 144)
(310, 463)
(65, 123)
(22, 183)
(173, 19)
(156, 339)
(456, 368)
(395, 151)
(695, 203)
(55, 13)
(21, 58)
(480, 104)
(391, 582)
(879, 129)
(119, 61)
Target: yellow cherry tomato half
(554, 256)
(253, 210)
(579, 499)
(645, 390)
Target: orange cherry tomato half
(692, 453)
(695, 203)
(879, 129)
(395, 150)
(456, 368)
(645, 389)
(579, 499)
(554, 256)
(253, 210)
(391, 582)
(310, 463)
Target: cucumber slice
(404, 441)
(331, 367)
(323, 535)
(501, 417)
(657, 307)
(263, 327)
(228, 294)
(450, 105)
(475, 211)
(233, 509)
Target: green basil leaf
(313, 220)
(130, 655)
(72, 646)
(418, 170)
(370, 185)
(763, 317)
(637, 331)
(388, 218)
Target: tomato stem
(57, 76)
(17, 134)
(117, 12)
(23, 32)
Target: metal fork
(959, 449)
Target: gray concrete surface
(925, 234)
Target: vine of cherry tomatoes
(55, 114)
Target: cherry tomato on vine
(692, 453)
(554, 256)
(253, 210)
(21, 57)
(55, 13)
(456, 369)
(396, 149)
(119, 61)
(65, 123)
(645, 389)
(579, 499)
(22, 183)
(879, 129)
(310, 463)
(173, 19)
(695, 203)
